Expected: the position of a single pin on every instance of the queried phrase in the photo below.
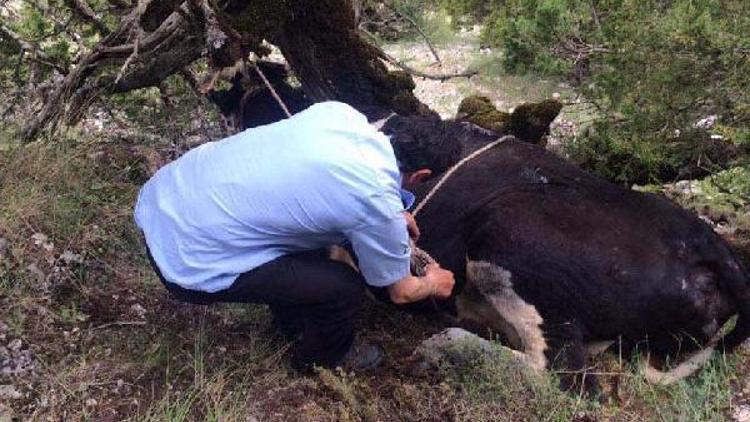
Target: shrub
(652, 69)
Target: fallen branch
(414, 72)
(273, 91)
(119, 324)
(438, 77)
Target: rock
(453, 345)
(529, 122)
(480, 111)
(41, 239)
(745, 346)
(6, 414)
(34, 269)
(741, 413)
(69, 257)
(15, 345)
(13, 360)
(706, 122)
(138, 310)
(9, 392)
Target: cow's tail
(686, 368)
(734, 282)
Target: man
(244, 220)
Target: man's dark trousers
(307, 293)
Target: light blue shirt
(322, 177)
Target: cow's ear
(417, 177)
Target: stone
(9, 392)
(15, 345)
(138, 310)
(741, 413)
(453, 345)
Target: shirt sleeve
(383, 251)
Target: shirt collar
(407, 198)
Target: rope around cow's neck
(420, 258)
(454, 169)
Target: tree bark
(84, 12)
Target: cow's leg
(567, 352)
(490, 299)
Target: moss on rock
(480, 111)
(530, 122)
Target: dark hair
(424, 142)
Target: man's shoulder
(335, 108)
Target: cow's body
(554, 258)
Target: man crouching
(245, 220)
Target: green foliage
(652, 68)
(474, 9)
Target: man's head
(424, 146)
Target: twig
(130, 58)
(139, 8)
(414, 24)
(273, 91)
(410, 70)
(596, 16)
(119, 324)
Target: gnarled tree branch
(35, 53)
(175, 44)
(83, 11)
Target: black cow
(555, 258)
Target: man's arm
(436, 282)
(384, 255)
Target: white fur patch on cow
(688, 367)
(491, 300)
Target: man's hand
(441, 279)
(436, 282)
(411, 225)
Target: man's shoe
(361, 357)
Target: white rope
(380, 123)
(454, 169)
